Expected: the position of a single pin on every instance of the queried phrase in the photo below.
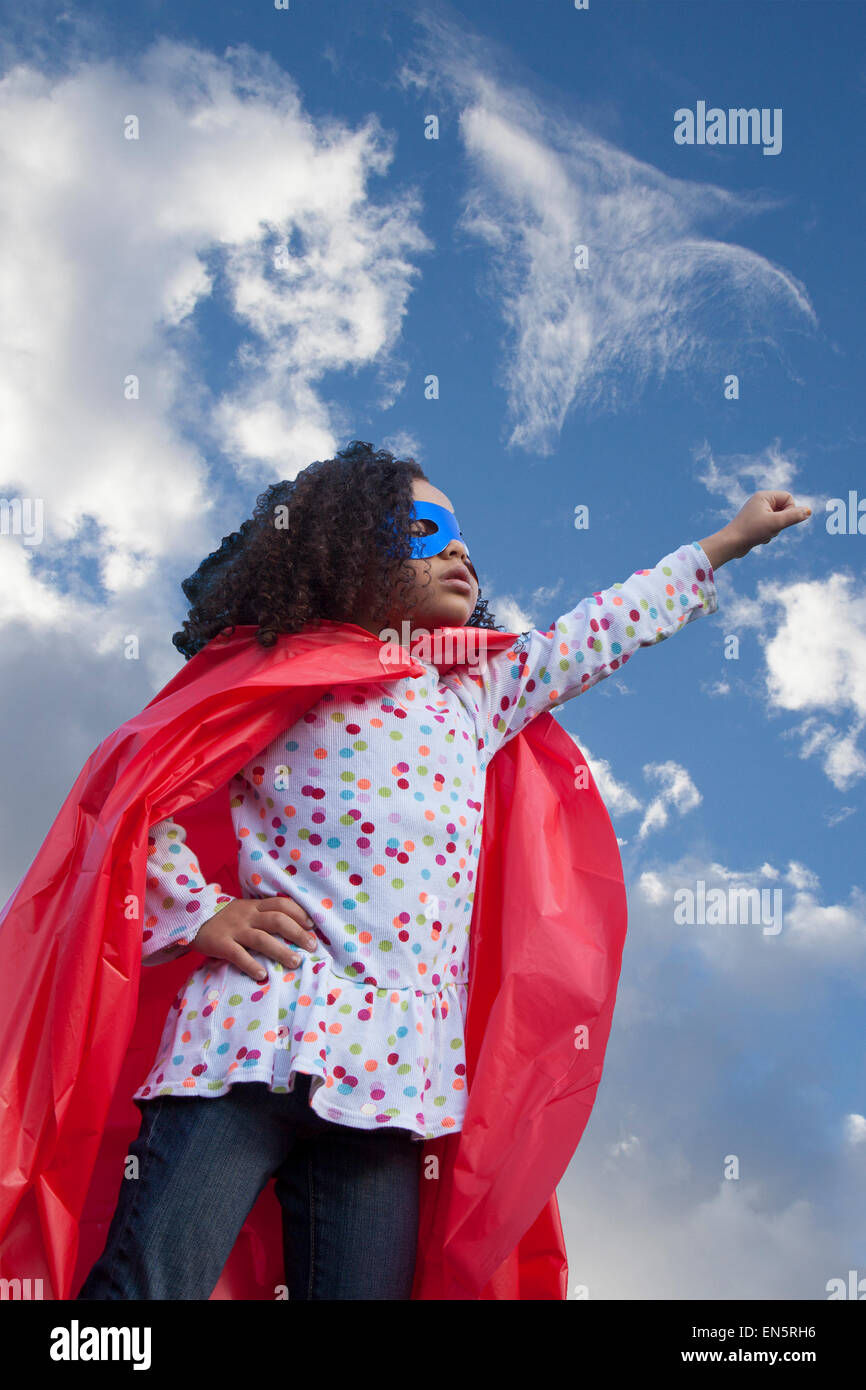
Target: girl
(327, 1021)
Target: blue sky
(557, 386)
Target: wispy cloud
(736, 477)
(678, 792)
(539, 184)
(617, 797)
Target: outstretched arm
(590, 642)
(603, 631)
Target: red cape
(80, 1020)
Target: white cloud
(831, 937)
(26, 598)
(724, 1044)
(403, 444)
(624, 1148)
(543, 183)
(110, 245)
(511, 614)
(652, 1231)
(836, 934)
(617, 797)
(771, 469)
(816, 658)
(855, 1130)
(813, 640)
(678, 792)
(652, 887)
(720, 871)
(802, 878)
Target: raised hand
(757, 522)
(764, 516)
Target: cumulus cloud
(730, 1244)
(813, 641)
(770, 928)
(171, 307)
(231, 199)
(817, 655)
(812, 631)
(803, 879)
(697, 1174)
(855, 1131)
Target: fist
(763, 517)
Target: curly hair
(339, 553)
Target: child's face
(434, 601)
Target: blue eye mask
(446, 530)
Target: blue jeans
(349, 1198)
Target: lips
(457, 574)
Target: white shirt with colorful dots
(368, 811)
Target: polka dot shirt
(368, 812)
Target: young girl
(327, 1020)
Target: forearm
(723, 546)
(178, 899)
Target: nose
(457, 550)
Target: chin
(459, 617)
(449, 615)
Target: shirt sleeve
(177, 899)
(581, 648)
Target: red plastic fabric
(80, 1019)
